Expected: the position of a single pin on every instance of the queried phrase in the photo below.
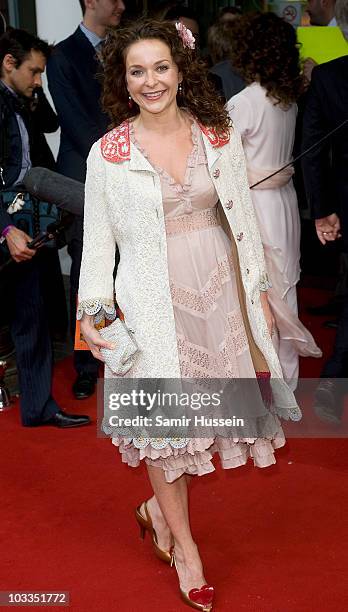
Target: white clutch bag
(122, 358)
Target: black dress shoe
(63, 420)
(328, 401)
(84, 385)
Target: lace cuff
(264, 283)
(99, 308)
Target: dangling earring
(130, 102)
(180, 89)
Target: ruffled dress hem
(196, 457)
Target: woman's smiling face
(152, 76)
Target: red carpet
(273, 540)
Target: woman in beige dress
(194, 295)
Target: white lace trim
(99, 308)
(160, 443)
(264, 283)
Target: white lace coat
(123, 205)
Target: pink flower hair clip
(188, 40)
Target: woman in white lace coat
(195, 296)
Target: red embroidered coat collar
(115, 145)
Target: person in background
(23, 60)
(43, 121)
(326, 183)
(266, 55)
(220, 36)
(341, 14)
(161, 9)
(187, 17)
(334, 306)
(72, 79)
(321, 12)
(228, 14)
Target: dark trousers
(31, 338)
(54, 295)
(83, 360)
(337, 365)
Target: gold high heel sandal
(200, 599)
(145, 524)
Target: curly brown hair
(198, 95)
(264, 49)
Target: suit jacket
(44, 121)
(232, 83)
(72, 79)
(325, 169)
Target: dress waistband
(275, 182)
(199, 220)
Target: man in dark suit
(72, 78)
(23, 60)
(326, 183)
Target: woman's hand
(93, 338)
(267, 312)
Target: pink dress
(268, 131)
(211, 337)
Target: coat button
(240, 236)
(216, 173)
(229, 204)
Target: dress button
(252, 301)
(248, 271)
(229, 204)
(216, 173)
(240, 236)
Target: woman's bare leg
(163, 533)
(172, 500)
(160, 525)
